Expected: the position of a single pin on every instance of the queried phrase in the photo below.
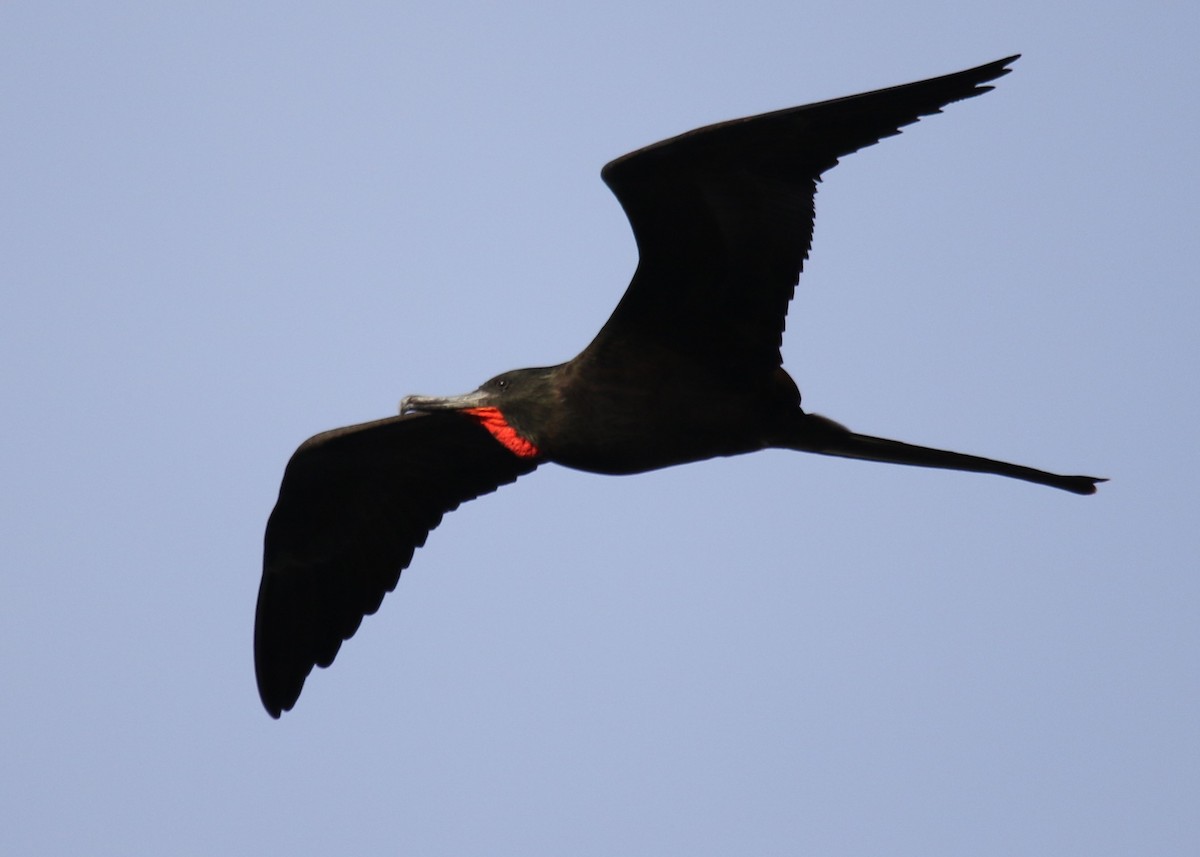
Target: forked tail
(825, 437)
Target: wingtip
(277, 694)
(996, 69)
(272, 701)
(276, 701)
(1084, 485)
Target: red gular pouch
(492, 420)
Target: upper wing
(354, 505)
(723, 218)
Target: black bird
(687, 368)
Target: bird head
(516, 407)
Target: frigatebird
(688, 367)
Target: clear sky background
(227, 226)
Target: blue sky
(229, 226)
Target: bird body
(688, 367)
(618, 422)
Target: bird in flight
(688, 367)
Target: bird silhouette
(688, 367)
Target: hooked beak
(423, 404)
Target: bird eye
(502, 384)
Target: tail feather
(825, 437)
